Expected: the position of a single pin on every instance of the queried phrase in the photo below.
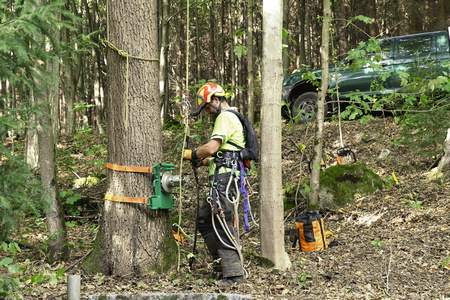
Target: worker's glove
(195, 161)
(187, 154)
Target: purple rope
(244, 193)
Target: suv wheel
(303, 107)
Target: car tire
(304, 107)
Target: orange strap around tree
(125, 199)
(131, 169)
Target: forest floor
(393, 244)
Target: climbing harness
(235, 187)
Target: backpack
(251, 150)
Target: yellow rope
(122, 53)
(186, 126)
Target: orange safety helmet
(205, 93)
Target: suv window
(442, 43)
(413, 47)
(386, 49)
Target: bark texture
(133, 236)
(250, 74)
(54, 212)
(272, 225)
(32, 149)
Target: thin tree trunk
(133, 236)
(69, 90)
(198, 53)
(222, 41)
(250, 74)
(163, 69)
(53, 92)
(54, 212)
(212, 35)
(272, 223)
(32, 146)
(341, 13)
(286, 9)
(324, 52)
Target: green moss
(94, 261)
(169, 256)
(340, 183)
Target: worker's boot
(232, 270)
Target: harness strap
(235, 145)
(244, 193)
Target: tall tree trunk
(286, 9)
(212, 35)
(163, 69)
(198, 53)
(133, 236)
(54, 213)
(324, 53)
(47, 101)
(341, 17)
(69, 89)
(53, 93)
(272, 223)
(32, 146)
(250, 74)
(221, 52)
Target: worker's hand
(195, 161)
(187, 154)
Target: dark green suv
(380, 74)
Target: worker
(218, 218)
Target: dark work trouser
(230, 262)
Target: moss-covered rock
(338, 186)
(340, 183)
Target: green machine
(163, 182)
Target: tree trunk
(163, 58)
(198, 52)
(341, 16)
(286, 9)
(54, 212)
(272, 225)
(250, 74)
(53, 93)
(69, 89)
(32, 146)
(133, 236)
(221, 52)
(315, 173)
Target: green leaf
(14, 268)
(6, 261)
(240, 50)
(364, 19)
(38, 278)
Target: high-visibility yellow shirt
(227, 128)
